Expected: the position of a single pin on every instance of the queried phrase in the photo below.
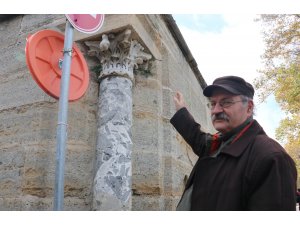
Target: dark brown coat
(253, 173)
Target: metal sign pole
(62, 119)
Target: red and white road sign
(86, 23)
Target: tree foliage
(281, 75)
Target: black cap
(233, 84)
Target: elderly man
(240, 167)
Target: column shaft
(112, 183)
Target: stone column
(119, 56)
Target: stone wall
(161, 160)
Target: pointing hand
(179, 101)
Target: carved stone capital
(118, 54)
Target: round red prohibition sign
(44, 56)
(86, 23)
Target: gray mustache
(219, 116)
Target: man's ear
(250, 106)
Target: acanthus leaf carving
(118, 54)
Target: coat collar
(238, 147)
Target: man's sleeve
(273, 183)
(190, 130)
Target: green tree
(281, 76)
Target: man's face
(233, 113)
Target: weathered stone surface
(11, 29)
(28, 130)
(10, 203)
(175, 175)
(13, 60)
(33, 23)
(35, 203)
(147, 203)
(145, 131)
(147, 173)
(160, 157)
(147, 95)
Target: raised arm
(188, 128)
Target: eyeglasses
(223, 103)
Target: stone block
(32, 23)
(168, 108)
(10, 182)
(10, 28)
(175, 174)
(79, 171)
(12, 156)
(11, 203)
(168, 133)
(155, 203)
(34, 203)
(30, 123)
(146, 95)
(13, 59)
(146, 173)
(20, 92)
(82, 125)
(39, 171)
(147, 203)
(170, 203)
(76, 204)
(145, 131)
